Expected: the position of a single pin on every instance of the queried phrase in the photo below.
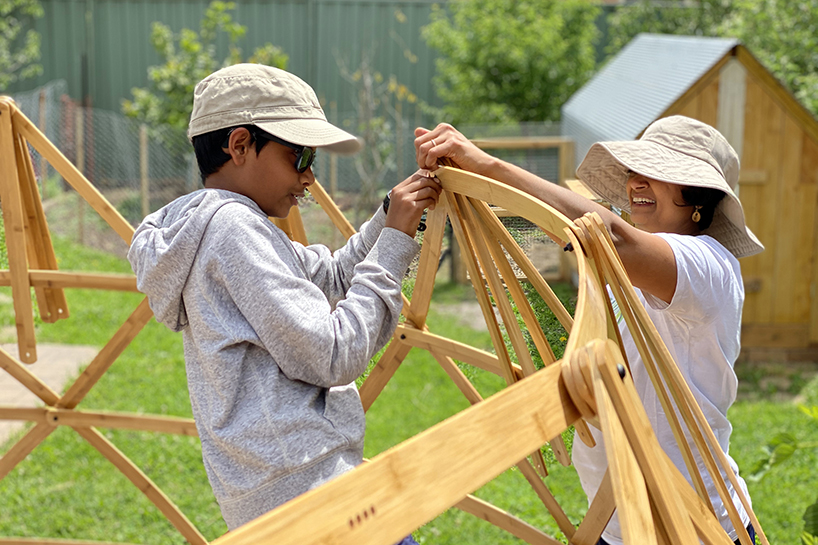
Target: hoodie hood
(165, 245)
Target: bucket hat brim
(605, 172)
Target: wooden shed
(720, 82)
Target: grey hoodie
(275, 334)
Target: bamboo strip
(52, 541)
(628, 482)
(548, 499)
(457, 350)
(697, 424)
(48, 247)
(388, 363)
(645, 445)
(532, 274)
(80, 280)
(73, 176)
(485, 251)
(106, 357)
(28, 379)
(331, 209)
(36, 251)
(629, 306)
(467, 249)
(12, 206)
(23, 448)
(513, 286)
(598, 514)
(87, 419)
(506, 521)
(418, 309)
(297, 226)
(144, 484)
(457, 376)
(496, 286)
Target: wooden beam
(144, 484)
(101, 419)
(408, 485)
(73, 176)
(12, 206)
(80, 280)
(457, 350)
(522, 142)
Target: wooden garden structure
(401, 489)
(720, 82)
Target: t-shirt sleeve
(706, 278)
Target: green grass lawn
(66, 489)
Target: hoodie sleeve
(271, 283)
(333, 273)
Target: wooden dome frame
(385, 499)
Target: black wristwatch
(386, 204)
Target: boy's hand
(446, 141)
(408, 201)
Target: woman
(678, 184)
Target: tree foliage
(188, 57)
(19, 51)
(511, 60)
(783, 34)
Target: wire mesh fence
(140, 169)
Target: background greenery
(65, 489)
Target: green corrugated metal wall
(101, 47)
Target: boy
(275, 333)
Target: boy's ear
(239, 145)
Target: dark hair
(209, 152)
(707, 198)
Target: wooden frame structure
(370, 505)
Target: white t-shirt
(702, 329)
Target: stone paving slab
(57, 364)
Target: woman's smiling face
(658, 207)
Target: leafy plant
(377, 120)
(190, 56)
(511, 60)
(19, 52)
(778, 450)
(781, 33)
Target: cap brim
(313, 133)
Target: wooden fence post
(43, 162)
(144, 182)
(79, 142)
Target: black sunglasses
(305, 155)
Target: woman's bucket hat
(273, 100)
(677, 150)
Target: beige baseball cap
(676, 150)
(273, 100)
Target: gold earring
(696, 215)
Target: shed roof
(638, 84)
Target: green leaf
(811, 519)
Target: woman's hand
(408, 201)
(446, 141)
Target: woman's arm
(648, 259)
